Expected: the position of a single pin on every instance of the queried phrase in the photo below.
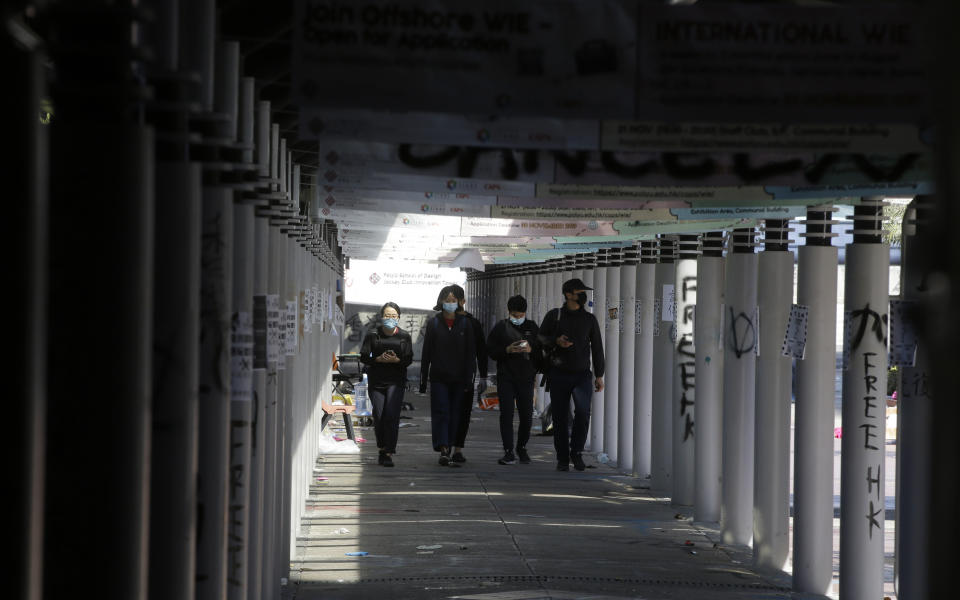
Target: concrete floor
(504, 532)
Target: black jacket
(582, 329)
(516, 366)
(481, 347)
(376, 343)
(449, 354)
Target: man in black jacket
(480, 350)
(570, 336)
(514, 344)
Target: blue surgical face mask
(390, 323)
(451, 306)
(517, 322)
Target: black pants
(520, 393)
(466, 407)
(387, 402)
(563, 387)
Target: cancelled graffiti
(743, 333)
(877, 324)
(872, 414)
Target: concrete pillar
(597, 409)
(684, 383)
(813, 421)
(628, 334)
(739, 382)
(613, 321)
(643, 373)
(771, 487)
(708, 337)
(661, 438)
(863, 455)
(915, 422)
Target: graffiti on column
(871, 414)
(686, 354)
(237, 504)
(877, 322)
(743, 334)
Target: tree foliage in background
(893, 223)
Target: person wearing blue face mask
(447, 362)
(514, 344)
(387, 351)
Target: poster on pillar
(273, 327)
(292, 330)
(795, 337)
(241, 357)
(903, 334)
(260, 332)
(669, 302)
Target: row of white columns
(704, 410)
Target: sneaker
(458, 457)
(380, 457)
(508, 458)
(524, 457)
(387, 460)
(562, 466)
(444, 457)
(578, 462)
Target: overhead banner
(510, 227)
(562, 58)
(750, 62)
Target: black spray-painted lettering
(867, 434)
(878, 326)
(688, 429)
(743, 337)
(687, 287)
(871, 481)
(872, 518)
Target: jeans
(463, 422)
(562, 386)
(520, 393)
(445, 404)
(387, 403)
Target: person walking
(571, 336)
(447, 362)
(467, 399)
(515, 345)
(387, 351)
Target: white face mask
(518, 322)
(450, 307)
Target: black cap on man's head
(574, 284)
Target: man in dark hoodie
(513, 343)
(571, 336)
(447, 362)
(480, 348)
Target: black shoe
(524, 457)
(508, 458)
(562, 466)
(380, 458)
(444, 457)
(578, 462)
(458, 457)
(387, 460)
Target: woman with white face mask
(513, 343)
(387, 351)
(448, 361)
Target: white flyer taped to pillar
(241, 357)
(795, 337)
(290, 326)
(903, 334)
(638, 312)
(669, 302)
(657, 309)
(273, 328)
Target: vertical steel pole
(863, 455)
(813, 420)
(684, 382)
(628, 333)
(25, 236)
(100, 305)
(611, 379)
(771, 479)
(597, 413)
(643, 373)
(661, 437)
(915, 420)
(709, 365)
(739, 384)
(197, 37)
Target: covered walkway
(489, 531)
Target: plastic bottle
(360, 397)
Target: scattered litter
(688, 543)
(430, 547)
(341, 531)
(412, 484)
(356, 553)
(838, 432)
(330, 444)
(679, 516)
(360, 440)
(408, 425)
(603, 458)
(323, 479)
(463, 547)
(693, 552)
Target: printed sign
(669, 302)
(657, 309)
(260, 332)
(241, 357)
(290, 324)
(903, 334)
(638, 315)
(273, 328)
(795, 337)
